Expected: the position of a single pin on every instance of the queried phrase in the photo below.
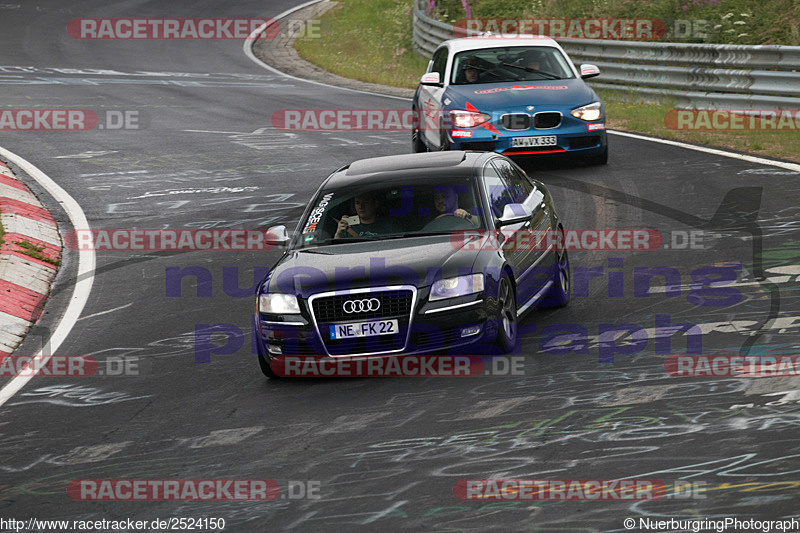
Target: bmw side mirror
(589, 71)
(277, 236)
(431, 78)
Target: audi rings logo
(361, 306)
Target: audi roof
(388, 168)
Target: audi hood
(417, 261)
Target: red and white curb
(24, 280)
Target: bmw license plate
(363, 329)
(542, 140)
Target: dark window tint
(518, 186)
(496, 190)
(440, 62)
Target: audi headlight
(457, 286)
(468, 119)
(278, 304)
(588, 112)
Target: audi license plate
(542, 140)
(363, 329)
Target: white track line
(84, 280)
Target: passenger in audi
(371, 222)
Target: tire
(559, 294)
(444, 142)
(417, 144)
(600, 159)
(263, 359)
(265, 367)
(562, 290)
(507, 322)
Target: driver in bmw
(533, 61)
(471, 73)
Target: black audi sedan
(413, 254)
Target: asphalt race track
(380, 454)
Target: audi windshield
(414, 207)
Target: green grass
(30, 249)
(34, 251)
(625, 114)
(370, 40)
(729, 21)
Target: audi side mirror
(277, 236)
(514, 214)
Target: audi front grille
(332, 308)
(393, 304)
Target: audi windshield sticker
(316, 216)
(523, 88)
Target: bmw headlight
(278, 304)
(457, 286)
(588, 112)
(468, 119)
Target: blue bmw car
(514, 96)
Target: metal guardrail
(694, 75)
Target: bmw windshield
(509, 64)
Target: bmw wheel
(601, 159)
(417, 144)
(444, 142)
